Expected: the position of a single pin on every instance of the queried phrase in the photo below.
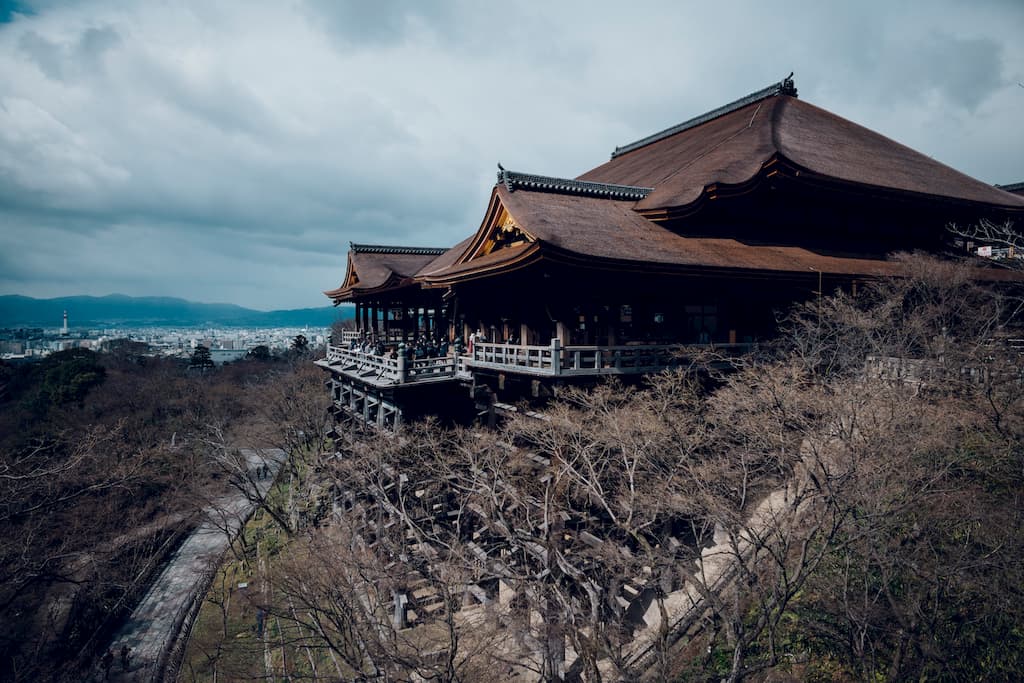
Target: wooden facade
(698, 235)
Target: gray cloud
(69, 61)
(381, 23)
(230, 151)
(965, 70)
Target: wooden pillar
(556, 356)
(562, 333)
(524, 334)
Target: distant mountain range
(146, 311)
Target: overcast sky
(230, 151)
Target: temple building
(697, 235)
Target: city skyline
(231, 153)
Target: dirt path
(157, 620)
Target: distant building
(221, 356)
(1015, 188)
(697, 234)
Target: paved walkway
(156, 621)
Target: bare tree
(989, 233)
(850, 494)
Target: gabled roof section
(784, 87)
(1015, 188)
(731, 149)
(499, 231)
(498, 243)
(602, 233)
(598, 233)
(375, 269)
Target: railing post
(402, 372)
(556, 356)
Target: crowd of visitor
(422, 347)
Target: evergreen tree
(261, 353)
(300, 345)
(201, 358)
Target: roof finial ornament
(788, 86)
(503, 177)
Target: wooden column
(562, 332)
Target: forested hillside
(844, 504)
(105, 462)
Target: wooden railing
(384, 369)
(557, 360)
(553, 360)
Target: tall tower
(64, 330)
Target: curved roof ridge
(527, 181)
(784, 87)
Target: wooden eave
(393, 284)
(715, 191)
(794, 171)
(517, 259)
(871, 267)
(778, 166)
(864, 268)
